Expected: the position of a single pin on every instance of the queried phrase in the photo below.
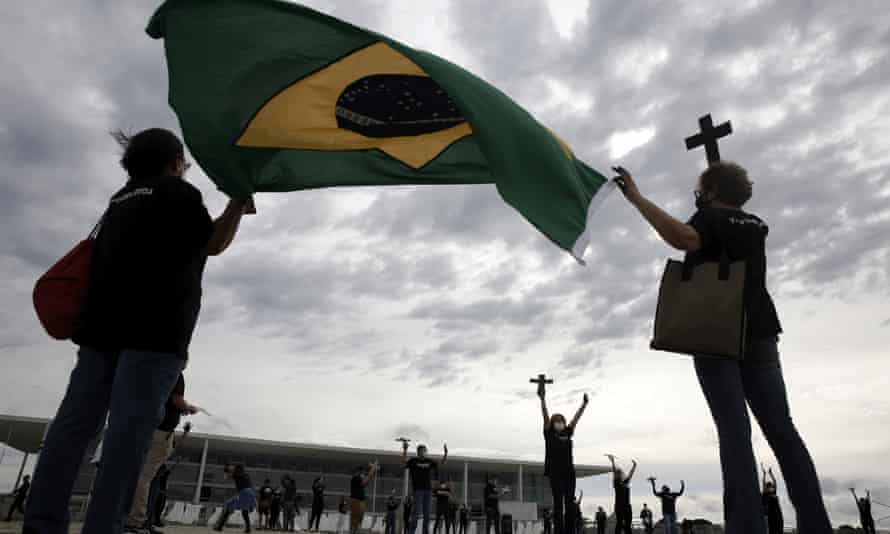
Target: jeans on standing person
(129, 387)
(730, 387)
(423, 502)
(670, 524)
(390, 522)
(492, 517)
(563, 489)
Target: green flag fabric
(274, 96)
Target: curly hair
(728, 182)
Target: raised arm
(405, 453)
(544, 411)
(853, 491)
(682, 488)
(675, 233)
(226, 225)
(371, 472)
(580, 412)
(611, 458)
(633, 469)
(652, 481)
(445, 455)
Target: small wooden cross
(541, 381)
(708, 137)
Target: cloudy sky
(351, 316)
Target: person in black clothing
(453, 508)
(732, 386)
(407, 513)
(775, 523)
(244, 500)
(464, 519)
(421, 469)
(289, 502)
(492, 497)
(443, 501)
(621, 484)
(547, 518)
(668, 505)
(133, 333)
(357, 496)
(577, 516)
(865, 517)
(20, 495)
(317, 502)
(392, 506)
(559, 465)
(275, 510)
(646, 519)
(264, 504)
(342, 514)
(601, 520)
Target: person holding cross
(420, 469)
(621, 483)
(730, 387)
(559, 465)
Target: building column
(200, 483)
(466, 483)
(21, 470)
(521, 499)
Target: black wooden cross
(708, 137)
(541, 381)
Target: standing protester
(244, 500)
(358, 499)
(732, 386)
(668, 505)
(775, 523)
(464, 520)
(601, 520)
(453, 507)
(19, 497)
(559, 465)
(264, 505)
(420, 469)
(141, 308)
(317, 502)
(392, 506)
(623, 511)
(275, 510)
(492, 496)
(865, 517)
(577, 514)
(646, 519)
(289, 503)
(407, 513)
(159, 451)
(547, 517)
(443, 500)
(342, 512)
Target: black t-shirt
(241, 478)
(266, 494)
(864, 508)
(558, 461)
(646, 515)
(420, 470)
(668, 504)
(443, 496)
(290, 490)
(357, 487)
(601, 517)
(342, 507)
(392, 504)
(171, 412)
(147, 264)
(317, 492)
(491, 496)
(745, 238)
(771, 505)
(22, 492)
(622, 494)
(464, 515)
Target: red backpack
(60, 294)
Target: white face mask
(559, 426)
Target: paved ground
(15, 527)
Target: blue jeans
(730, 387)
(423, 502)
(131, 389)
(670, 524)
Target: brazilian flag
(274, 96)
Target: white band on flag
(580, 246)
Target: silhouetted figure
(244, 500)
(464, 521)
(646, 519)
(492, 497)
(547, 518)
(20, 495)
(559, 464)
(621, 484)
(865, 517)
(357, 495)
(392, 506)
(601, 519)
(771, 508)
(443, 500)
(668, 505)
(420, 470)
(407, 513)
(317, 502)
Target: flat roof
(26, 434)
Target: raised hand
(445, 447)
(586, 398)
(627, 184)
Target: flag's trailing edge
(274, 96)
